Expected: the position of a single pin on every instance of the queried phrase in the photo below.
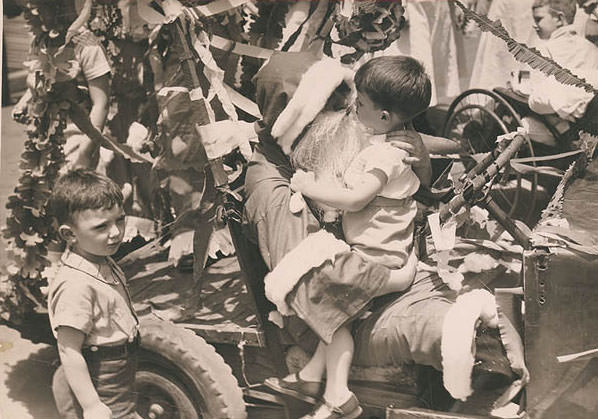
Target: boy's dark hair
(395, 83)
(566, 7)
(80, 190)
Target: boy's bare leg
(334, 358)
(400, 279)
(315, 367)
(339, 355)
(99, 93)
(88, 154)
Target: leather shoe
(348, 410)
(308, 391)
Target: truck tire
(180, 375)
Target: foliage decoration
(372, 26)
(29, 231)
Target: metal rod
(504, 220)
(491, 169)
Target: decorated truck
(180, 120)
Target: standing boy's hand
(418, 158)
(97, 411)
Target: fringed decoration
(525, 54)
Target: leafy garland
(29, 231)
(525, 54)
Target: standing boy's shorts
(114, 380)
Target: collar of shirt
(564, 31)
(377, 139)
(94, 270)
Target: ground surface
(25, 368)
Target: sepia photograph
(284, 209)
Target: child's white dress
(383, 230)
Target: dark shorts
(114, 380)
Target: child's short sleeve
(384, 157)
(72, 305)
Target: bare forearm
(77, 375)
(336, 197)
(441, 145)
(424, 171)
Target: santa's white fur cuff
(312, 252)
(458, 332)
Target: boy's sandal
(348, 410)
(308, 391)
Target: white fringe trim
(458, 332)
(313, 251)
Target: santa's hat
(292, 88)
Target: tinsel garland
(230, 25)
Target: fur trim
(276, 317)
(315, 87)
(458, 332)
(313, 251)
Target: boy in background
(553, 22)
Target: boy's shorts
(113, 376)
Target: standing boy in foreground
(89, 306)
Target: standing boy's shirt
(580, 56)
(93, 299)
(383, 230)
